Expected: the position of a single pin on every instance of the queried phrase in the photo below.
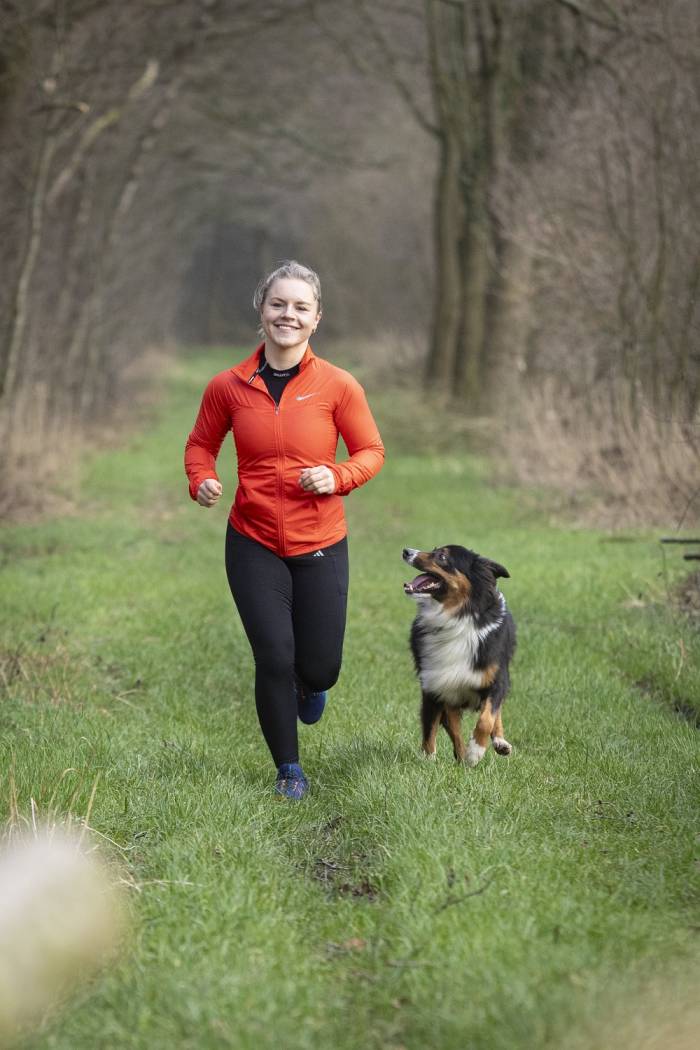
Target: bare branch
(391, 64)
(617, 23)
(583, 12)
(143, 85)
(21, 303)
(449, 902)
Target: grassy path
(544, 901)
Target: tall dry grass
(41, 455)
(615, 460)
(604, 455)
(44, 446)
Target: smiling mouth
(426, 583)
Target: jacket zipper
(279, 448)
(281, 459)
(280, 479)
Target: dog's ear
(498, 570)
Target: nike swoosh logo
(303, 397)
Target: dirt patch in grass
(54, 675)
(38, 676)
(332, 875)
(686, 596)
(659, 694)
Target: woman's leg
(261, 585)
(319, 604)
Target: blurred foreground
(60, 919)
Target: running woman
(286, 544)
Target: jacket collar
(248, 369)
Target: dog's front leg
(500, 744)
(453, 725)
(482, 731)
(430, 714)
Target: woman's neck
(280, 358)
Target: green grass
(402, 904)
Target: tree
(87, 90)
(492, 69)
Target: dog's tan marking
(476, 749)
(429, 741)
(489, 676)
(485, 724)
(459, 588)
(453, 725)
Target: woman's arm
(203, 445)
(358, 430)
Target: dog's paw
(475, 753)
(429, 756)
(501, 746)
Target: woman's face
(289, 314)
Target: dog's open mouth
(424, 584)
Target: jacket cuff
(341, 484)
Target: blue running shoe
(291, 782)
(310, 706)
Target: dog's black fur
(462, 639)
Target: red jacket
(273, 444)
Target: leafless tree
(608, 226)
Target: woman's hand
(209, 492)
(318, 480)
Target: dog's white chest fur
(448, 651)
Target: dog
(462, 639)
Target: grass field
(549, 900)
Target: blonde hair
(288, 268)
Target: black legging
(293, 612)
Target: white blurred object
(59, 919)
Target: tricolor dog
(462, 639)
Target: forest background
(502, 198)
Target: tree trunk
(465, 55)
(447, 306)
(471, 358)
(22, 296)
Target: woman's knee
(320, 675)
(274, 661)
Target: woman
(286, 546)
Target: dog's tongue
(421, 583)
